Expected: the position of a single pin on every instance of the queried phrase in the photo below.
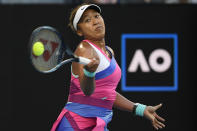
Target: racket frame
(63, 49)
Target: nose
(95, 21)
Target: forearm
(87, 85)
(123, 103)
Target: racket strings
(51, 56)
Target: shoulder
(83, 46)
(85, 49)
(111, 50)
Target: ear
(79, 32)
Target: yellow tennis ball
(38, 48)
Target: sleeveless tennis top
(107, 77)
(98, 105)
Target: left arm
(123, 103)
(148, 112)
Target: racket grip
(84, 61)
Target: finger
(157, 106)
(155, 127)
(158, 126)
(161, 125)
(155, 124)
(94, 62)
(159, 118)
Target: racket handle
(84, 61)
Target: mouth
(98, 28)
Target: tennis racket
(56, 52)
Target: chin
(101, 36)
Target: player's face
(91, 25)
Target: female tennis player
(93, 87)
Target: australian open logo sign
(149, 62)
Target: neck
(99, 43)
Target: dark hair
(72, 15)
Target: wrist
(89, 74)
(139, 109)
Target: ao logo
(139, 60)
(149, 62)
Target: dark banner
(153, 44)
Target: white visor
(80, 12)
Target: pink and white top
(107, 77)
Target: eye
(97, 16)
(87, 20)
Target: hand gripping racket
(56, 52)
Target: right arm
(87, 84)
